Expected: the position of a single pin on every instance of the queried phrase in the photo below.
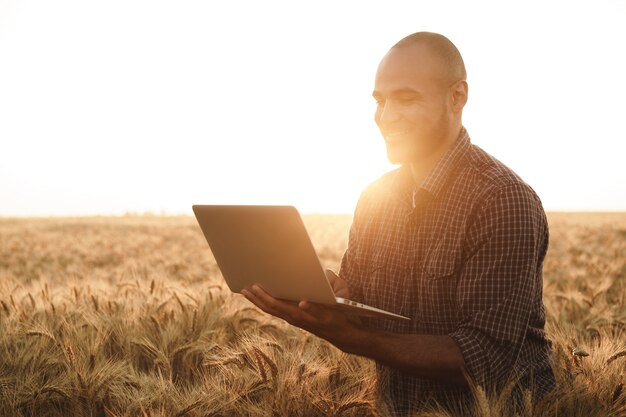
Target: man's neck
(421, 169)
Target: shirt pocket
(442, 260)
(382, 279)
(386, 286)
(437, 289)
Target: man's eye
(403, 101)
(407, 100)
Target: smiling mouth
(396, 136)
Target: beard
(420, 142)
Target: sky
(133, 106)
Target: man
(453, 239)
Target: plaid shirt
(462, 256)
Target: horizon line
(164, 214)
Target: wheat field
(129, 316)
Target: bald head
(442, 49)
(420, 91)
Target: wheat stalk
(615, 356)
(41, 332)
(482, 403)
(189, 408)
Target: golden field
(129, 316)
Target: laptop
(269, 246)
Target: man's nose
(387, 113)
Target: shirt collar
(403, 187)
(448, 163)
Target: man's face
(412, 111)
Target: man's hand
(429, 356)
(339, 328)
(340, 287)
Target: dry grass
(129, 317)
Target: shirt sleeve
(349, 270)
(499, 282)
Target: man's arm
(436, 357)
(500, 282)
(439, 356)
(495, 293)
(427, 356)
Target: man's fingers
(330, 274)
(281, 309)
(340, 287)
(319, 313)
(321, 320)
(342, 292)
(255, 300)
(264, 297)
(264, 303)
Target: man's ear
(459, 95)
